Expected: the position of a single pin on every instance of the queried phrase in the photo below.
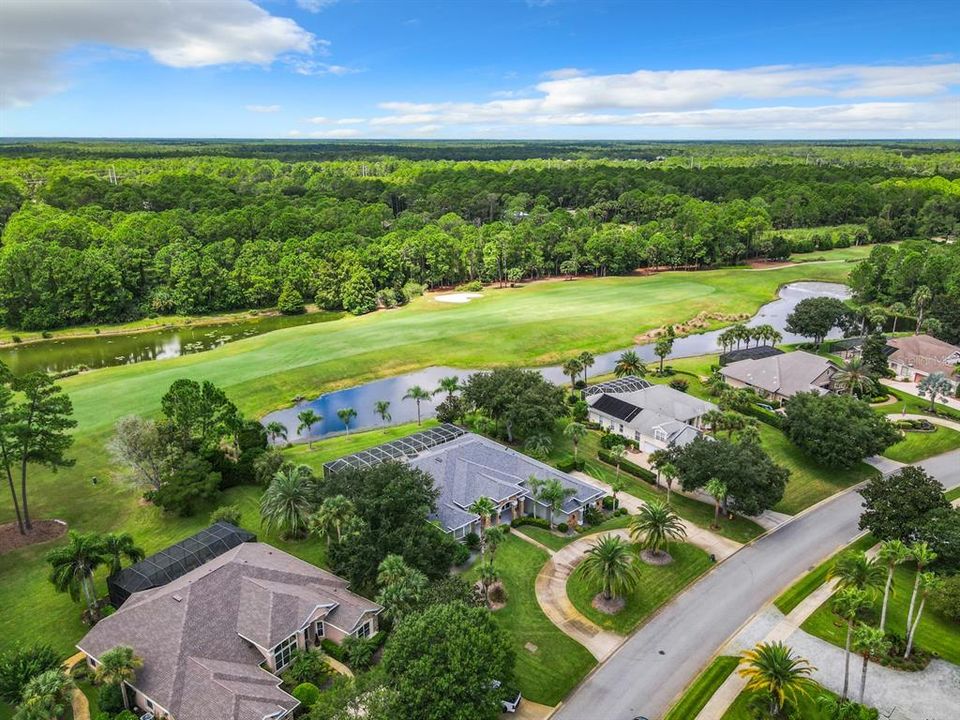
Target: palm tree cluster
(72, 565)
(629, 363)
(46, 696)
(740, 333)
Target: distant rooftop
(405, 448)
(625, 384)
(755, 353)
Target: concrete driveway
(647, 673)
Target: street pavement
(649, 671)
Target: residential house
(780, 377)
(214, 639)
(914, 357)
(757, 352)
(655, 416)
(465, 467)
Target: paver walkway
(78, 701)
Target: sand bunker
(458, 297)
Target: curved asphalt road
(650, 669)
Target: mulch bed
(650, 558)
(608, 607)
(43, 531)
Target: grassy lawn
(657, 585)
(921, 445)
(806, 708)
(809, 481)
(535, 324)
(549, 673)
(699, 693)
(911, 404)
(340, 445)
(935, 632)
(952, 495)
(555, 541)
(6, 712)
(802, 588)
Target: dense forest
(108, 232)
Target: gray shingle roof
(785, 375)
(196, 665)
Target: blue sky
(472, 69)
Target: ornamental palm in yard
(73, 565)
(610, 563)
(346, 416)
(287, 502)
(629, 363)
(382, 408)
(485, 508)
(118, 666)
(891, 554)
(331, 517)
(869, 642)
(572, 369)
(655, 525)
(449, 385)
(116, 547)
(922, 555)
(576, 432)
(276, 429)
(308, 418)
(45, 696)
(553, 494)
(847, 603)
(586, 361)
(929, 583)
(853, 377)
(419, 394)
(716, 489)
(773, 669)
(856, 570)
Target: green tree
(773, 670)
(572, 369)
(576, 432)
(401, 587)
(8, 414)
(892, 553)
(449, 385)
(358, 294)
(934, 385)
(853, 378)
(193, 483)
(443, 662)
(346, 416)
(856, 570)
(72, 566)
(287, 503)
(19, 663)
(920, 300)
(618, 452)
(897, 506)
(662, 348)
(520, 401)
(847, 603)
(382, 408)
(929, 583)
(629, 363)
(45, 696)
(815, 317)
(611, 564)
(290, 301)
(418, 394)
(484, 508)
(118, 666)
(923, 556)
(586, 360)
(869, 642)
(116, 547)
(656, 525)
(308, 418)
(552, 493)
(539, 445)
(330, 519)
(276, 430)
(718, 491)
(199, 412)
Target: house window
(149, 704)
(318, 630)
(283, 653)
(660, 435)
(621, 427)
(363, 631)
(636, 435)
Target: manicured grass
(913, 405)
(93, 697)
(555, 541)
(809, 481)
(802, 588)
(340, 445)
(935, 633)
(806, 708)
(658, 583)
(921, 445)
(536, 324)
(549, 673)
(952, 495)
(699, 693)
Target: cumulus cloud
(336, 133)
(898, 98)
(315, 6)
(303, 66)
(176, 34)
(262, 108)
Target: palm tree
(610, 563)
(488, 576)
(419, 394)
(869, 642)
(662, 348)
(553, 494)
(717, 489)
(331, 517)
(287, 502)
(856, 570)
(346, 416)
(492, 539)
(616, 486)
(73, 565)
(118, 666)
(773, 669)
(670, 473)
(576, 432)
(891, 553)
(449, 385)
(929, 583)
(919, 301)
(712, 420)
(276, 429)
(934, 384)
(732, 421)
(847, 604)
(539, 444)
(308, 418)
(656, 525)
(897, 309)
(45, 696)
(853, 377)
(486, 509)
(922, 555)
(117, 546)
(629, 363)
(586, 361)
(618, 452)
(572, 368)
(382, 408)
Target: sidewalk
(911, 389)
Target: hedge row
(765, 416)
(567, 464)
(628, 467)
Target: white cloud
(303, 66)
(318, 120)
(181, 35)
(315, 6)
(351, 121)
(262, 108)
(862, 98)
(564, 73)
(336, 133)
(427, 129)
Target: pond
(363, 397)
(99, 351)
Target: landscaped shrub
(609, 503)
(763, 415)
(562, 527)
(412, 290)
(307, 694)
(110, 699)
(472, 541)
(592, 516)
(16, 338)
(46, 335)
(226, 513)
(461, 554)
(680, 384)
(567, 464)
(359, 652)
(307, 666)
(946, 600)
(580, 412)
(387, 298)
(628, 467)
(125, 715)
(333, 650)
(472, 286)
(20, 664)
(535, 522)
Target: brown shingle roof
(926, 353)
